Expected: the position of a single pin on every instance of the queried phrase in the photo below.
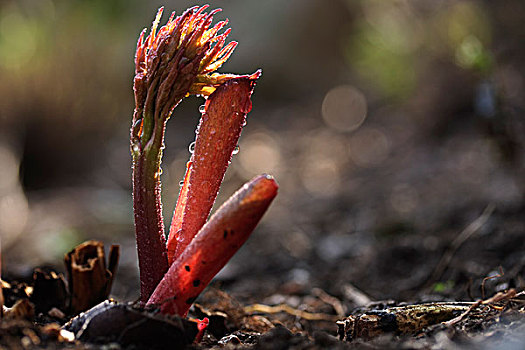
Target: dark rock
(128, 325)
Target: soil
(335, 264)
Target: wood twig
(330, 300)
(494, 299)
(471, 229)
(266, 309)
(499, 275)
(405, 319)
(355, 295)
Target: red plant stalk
(217, 136)
(201, 327)
(213, 246)
(177, 61)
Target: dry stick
(458, 242)
(330, 300)
(310, 316)
(501, 274)
(511, 293)
(213, 246)
(355, 295)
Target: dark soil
(450, 250)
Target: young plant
(178, 61)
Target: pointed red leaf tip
(177, 58)
(214, 245)
(217, 136)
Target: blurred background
(389, 125)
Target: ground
(453, 236)
(420, 200)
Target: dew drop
(136, 148)
(236, 150)
(181, 183)
(244, 123)
(202, 108)
(191, 147)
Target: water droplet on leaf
(202, 108)
(191, 147)
(236, 150)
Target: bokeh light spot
(369, 147)
(14, 211)
(321, 177)
(404, 199)
(8, 170)
(17, 40)
(344, 108)
(259, 153)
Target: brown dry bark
(88, 277)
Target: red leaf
(214, 245)
(218, 133)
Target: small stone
(56, 313)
